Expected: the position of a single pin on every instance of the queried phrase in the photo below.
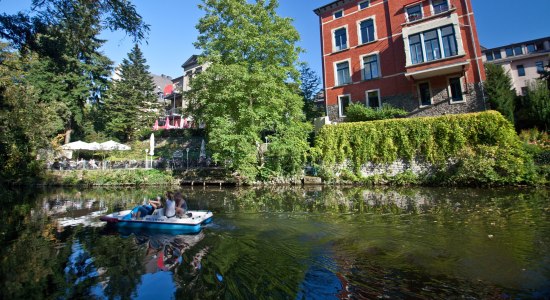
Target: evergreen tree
(538, 104)
(246, 95)
(500, 93)
(132, 103)
(309, 87)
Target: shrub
(359, 113)
(484, 147)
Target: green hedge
(483, 147)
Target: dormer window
(338, 14)
(440, 6)
(414, 12)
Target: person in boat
(170, 209)
(181, 205)
(147, 209)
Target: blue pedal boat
(191, 222)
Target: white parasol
(152, 145)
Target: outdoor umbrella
(156, 126)
(167, 123)
(112, 145)
(78, 145)
(152, 144)
(203, 149)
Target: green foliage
(537, 103)
(309, 87)
(56, 73)
(357, 112)
(500, 92)
(26, 125)
(483, 147)
(245, 94)
(132, 102)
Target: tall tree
(500, 93)
(64, 34)
(248, 91)
(309, 88)
(26, 125)
(132, 103)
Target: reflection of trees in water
(121, 259)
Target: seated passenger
(170, 210)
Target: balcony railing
(174, 112)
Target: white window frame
(451, 101)
(434, 24)
(432, 7)
(359, 38)
(379, 98)
(335, 64)
(334, 40)
(340, 108)
(359, 5)
(421, 11)
(334, 14)
(420, 95)
(377, 53)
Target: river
(281, 243)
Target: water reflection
(281, 243)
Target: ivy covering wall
(467, 149)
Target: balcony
(424, 72)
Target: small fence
(162, 164)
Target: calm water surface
(287, 243)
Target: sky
(170, 40)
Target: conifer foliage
(132, 103)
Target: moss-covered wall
(467, 149)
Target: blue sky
(173, 31)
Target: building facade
(524, 61)
(422, 56)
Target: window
(531, 48)
(424, 94)
(521, 71)
(540, 66)
(440, 6)
(431, 44)
(343, 103)
(455, 88)
(364, 4)
(338, 14)
(524, 91)
(414, 12)
(497, 54)
(416, 49)
(367, 31)
(373, 99)
(449, 41)
(342, 71)
(340, 39)
(370, 67)
(518, 50)
(435, 44)
(489, 56)
(509, 52)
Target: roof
(518, 43)
(161, 80)
(331, 5)
(191, 61)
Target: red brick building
(423, 56)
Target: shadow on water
(302, 243)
